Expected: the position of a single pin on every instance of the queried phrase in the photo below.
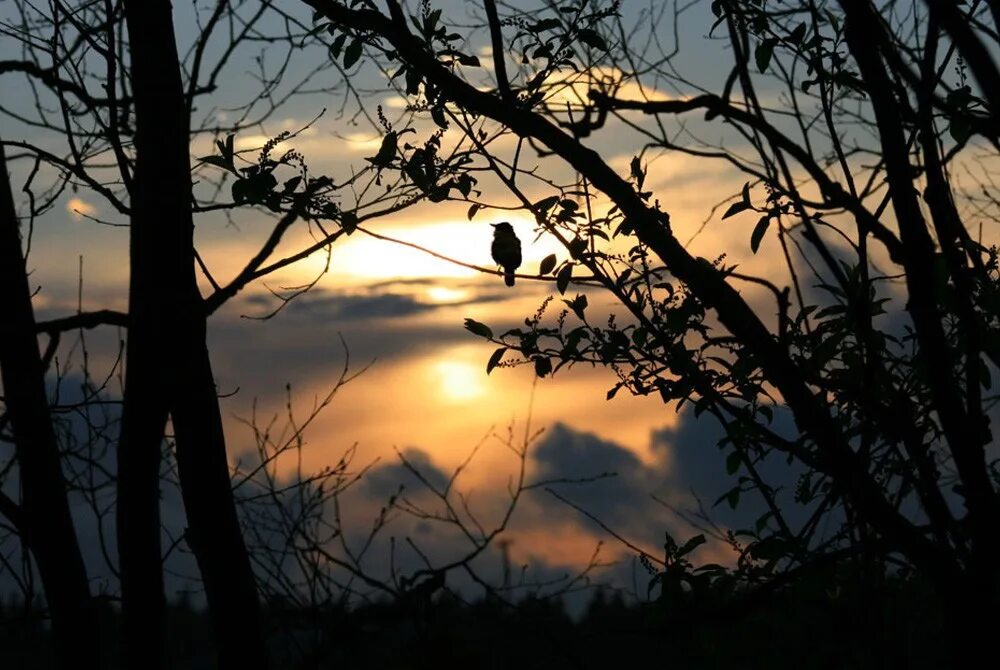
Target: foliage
(805, 625)
(883, 340)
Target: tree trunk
(43, 518)
(171, 318)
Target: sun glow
(445, 295)
(79, 208)
(458, 381)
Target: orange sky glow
(399, 313)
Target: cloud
(385, 480)
(621, 499)
(688, 468)
(699, 470)
(393, 299)
(350, 307)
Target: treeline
(838, 619)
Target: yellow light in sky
(79, 208)
(360, 142)
(458, 381)
(365, 258)
(444, 294)
(251, 142)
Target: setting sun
(458, 381)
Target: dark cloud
(699, 467)
(350, 307)
(564, 452)
(304, 339)
(384, 480)
(619, 497)
(381, 300)
(691, 470)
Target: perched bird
(506, 250)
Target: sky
(394, 314)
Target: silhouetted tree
(143, 120)
(851, 130)
(42, 516)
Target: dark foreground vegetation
(832, 620)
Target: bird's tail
(508, 278)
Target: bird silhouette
(506, 250)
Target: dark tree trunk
(169, 321)
(43, 518)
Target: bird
(506, 250)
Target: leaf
(592, 39)
(338, 45)
(547, 264)
(744, 203)
(735, 208)
(543, 366)
(387, 151)
(495, 359)
(353, 53)
(578, 305)
(544, 51)
(464, 183)
(473, 209)
(690, 546)
(349, 222)
(437, 115)
(624, 228)
(412, 81)
(468, 61)
(834, 20)
(240, 190)
(635, 167)
(480, 329)
(960, 129)
(545, 204)
(758, 232)
(544, 24)
(399, 71)
(763, 53)
(796, 35)
(562, 279)
(439, 193)
(432, 20)
(732, 496)
(217, 161)
(733, 462)
(959, 97)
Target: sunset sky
(425, 392)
